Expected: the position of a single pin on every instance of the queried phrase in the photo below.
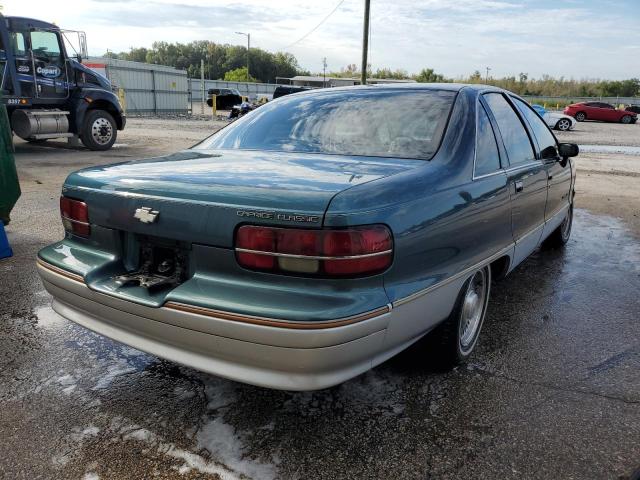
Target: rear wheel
(560, 236)
(457, 336)
(563, 124)
(99, 131)
(581, 116)
(626, 119)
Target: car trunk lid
(201, 196)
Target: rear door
(559, 175)
(599, 113)
(527, 176)
(609, 112)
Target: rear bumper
(298, 356)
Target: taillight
(75, 216)
(356, 251)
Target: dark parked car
(226, 98)
(317, 236)
(632, 108)
(601, 111)
(283, 90)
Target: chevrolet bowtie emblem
(146, 215)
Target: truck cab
(50, 94)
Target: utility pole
(324, 72)
(248, 35)
(202, 85)
(486, 78)
(365, 42)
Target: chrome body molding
(508, 250)
(313, 257)
(236, 317)
(79, 222)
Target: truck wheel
(99, 131)
(456, 337)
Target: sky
(571, 38)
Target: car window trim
(519, 115)
(501, 169)
(445, 132)
(537, 150)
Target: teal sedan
(317, 236)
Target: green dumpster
(9, 185)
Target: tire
(455, 339)
(563, 125)
(581, 116)
(99, 131)
(626, 119)
(209, 102)
(560, 236)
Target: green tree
(238, 75)
(428, 75)
(218, 59)
(388, 73)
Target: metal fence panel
(148, 89)
(612, 100)
(244, 88)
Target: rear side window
(546, 140)
(514, 136)
(368, 122)
(487, 156)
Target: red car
(599, 111)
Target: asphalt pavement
(552, 392)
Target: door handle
(519, 186)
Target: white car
(557, 121)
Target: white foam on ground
(47, 318)
(223, 450)
(113, 371)
(141, 434)
(224, 444)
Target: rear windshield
(406, 124)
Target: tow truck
(50, 94)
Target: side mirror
(567, 150)
(79, 58)
(549, 153)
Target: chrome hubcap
(101, 131)
(473, 309)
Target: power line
(317, 26)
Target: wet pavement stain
(553, 391)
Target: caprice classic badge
(280, 216)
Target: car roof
(390, 87)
